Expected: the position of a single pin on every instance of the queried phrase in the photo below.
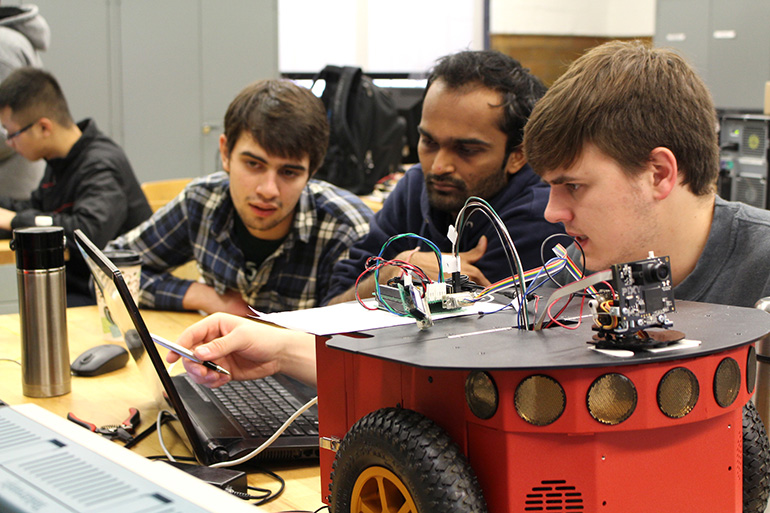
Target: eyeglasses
(9, 136)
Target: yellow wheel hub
(378, 490)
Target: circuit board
(644, 294)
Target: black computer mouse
(100, 360)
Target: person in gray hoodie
(23, 34)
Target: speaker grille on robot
(554, 495)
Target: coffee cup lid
(123, 257)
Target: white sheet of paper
(352, 317)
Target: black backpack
(366, 133)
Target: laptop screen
(122, 309)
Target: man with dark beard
(474, 111)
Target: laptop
(220, 424)
(48, 464)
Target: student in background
(262, 232)
(23, 34)
(88, 181)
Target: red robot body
(539, 421)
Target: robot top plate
(490, 342)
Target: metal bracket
(331, 443)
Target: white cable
(505, 236)
(158, 424)
(270, 440)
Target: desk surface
(6, 255)
(106, 399)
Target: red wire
(358, 297)
(403, 264)
(550, 315)
(380, 263)
(580, 315)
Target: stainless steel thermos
(42, 310)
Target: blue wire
(531, 289)
(378, 294)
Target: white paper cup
(130, 265)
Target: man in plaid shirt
(262, 232)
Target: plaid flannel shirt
(198, 225)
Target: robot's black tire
(756, 461)
(417, 452)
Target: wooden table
(372, 202)
(6, 255)
(105, 399)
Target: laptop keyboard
(262, 406)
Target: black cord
(163, 457)
(247, 496)
(543, 261)
(165, 417)
(269, 496)
(480, 207)
(509, 255)
(305, 510)
(265, 496)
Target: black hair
(520, 89)
(34, 93)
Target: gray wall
(727, 40)
(153, 74)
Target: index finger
(199, 333)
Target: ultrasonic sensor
(611, 399)
(727, 382)
(751, 370)
(678, 392)
(481, 394)
(540, 400)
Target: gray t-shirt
(734, 268)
